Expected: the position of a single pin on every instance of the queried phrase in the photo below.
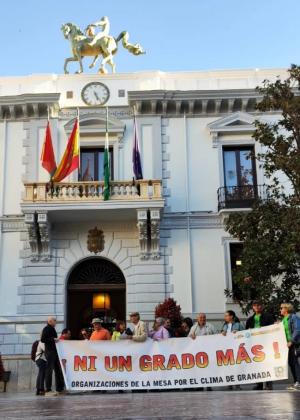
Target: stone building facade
(162, 236)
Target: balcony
(91, 192)
(240, 197)
(66, 202)
(79, 201)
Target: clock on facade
(95, 93)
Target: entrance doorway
(96, 288)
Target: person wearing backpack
(41, 362)
(291, 324)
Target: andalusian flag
(47, 156)
(70, 159)
(106, 190)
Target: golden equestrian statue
(96, 44)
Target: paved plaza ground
(283, 405)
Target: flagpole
(107, 139)
(187, 203)
(106, 128)
(106, 189)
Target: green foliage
(271, 230)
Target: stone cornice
(196, 220)
(194, 102)
(192, 94)
(117, 112)
(29, 105)
(12, 224)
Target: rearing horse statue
(96, 46)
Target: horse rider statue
(96, 45)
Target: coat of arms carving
(95, 240)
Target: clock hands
(96, 96)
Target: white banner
(250, 356)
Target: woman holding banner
(231, 323)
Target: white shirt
(229, 328)
(207, 329)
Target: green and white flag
(106, 190)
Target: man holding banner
(201, 327)
(259, 319)
(140, 333)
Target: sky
(178, 35)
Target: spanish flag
(70, 159)
(47, 155)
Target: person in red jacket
(65, 334)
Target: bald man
(201, 327)
(49, 338)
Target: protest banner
(246, 357)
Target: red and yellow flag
(47, 156)
(70, 159)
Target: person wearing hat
(140, 332)
(99, 332)
(259, 319)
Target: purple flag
(136, 157)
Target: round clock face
(95, 93)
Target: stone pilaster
(155, 233)
(142, 225)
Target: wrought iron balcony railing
(237, 197)
(91, 191)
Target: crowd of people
(45, 355)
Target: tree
(271, 230)
(169, 309)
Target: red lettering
(80, 363)
(173, 362)
(201, 359)
(145, 363)
(125, 363)
(225, 359)
(259, 355)
(188, 361)
(158, 362)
